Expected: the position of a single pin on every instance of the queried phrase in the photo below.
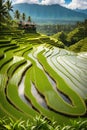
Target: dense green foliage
(61, 36)
(77, 37)
(80, 46)
(55, 28)
(40, 123)
(5, 8)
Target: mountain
(82, 11)
(49, 13)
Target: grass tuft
(40, 123)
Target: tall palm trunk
(0, 11)
(0, 2)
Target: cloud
(74, 4)
(44, 2)
(77, 4)
(26, 1)
(49, 2)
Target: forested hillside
(76, 37)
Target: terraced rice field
(39, 78)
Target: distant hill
(82, 11)
(80, 46)
(71, 38)
(80, 41)
(74, 36)
(49, 13)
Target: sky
(71, 4)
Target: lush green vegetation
(39, 77)
(40, 123)
(29, 60)
(80, 46)
(78, 37)
(52, 29)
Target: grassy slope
(75, 35)
(76, 39)
(80, 46)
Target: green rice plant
(14, 67)
(7, 45)
(8, 57)
(2, 123)
(42, 89)
(12, 105)
(10, 124)
(10, 48)
(45, 111)
(1, 55)
(13, 86)
(23, 49)
(31, 35)
(40, 123)
(4, 41)
(80, 109)
(6, 107)
(15, 125)
(79, 124)
(34, 41)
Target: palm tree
(29, 18)
(23, 16)
(9, 5)
(17, 14)
(3, 11)
(0, 9)
(5, 7)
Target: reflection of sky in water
(70, 66)
(21, 92)
(39, 99)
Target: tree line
(22, 16)
(5, 8)
(77, 34)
